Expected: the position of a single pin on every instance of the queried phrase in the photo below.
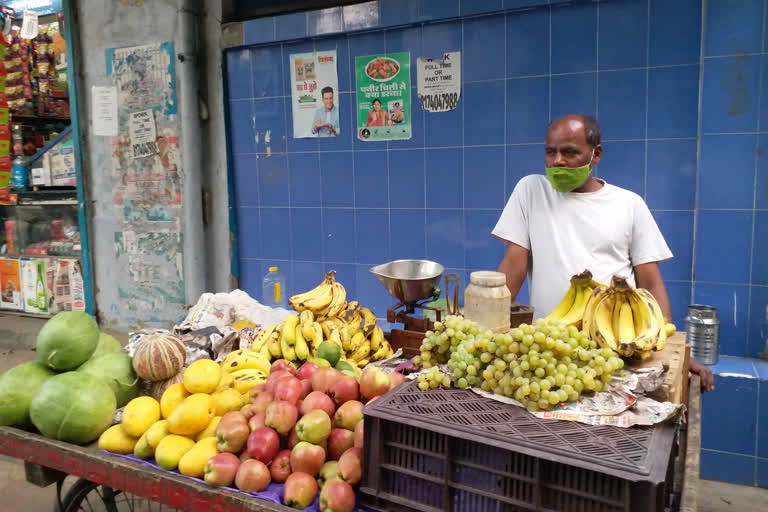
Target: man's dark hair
(325, 90)
(374, 101)
(591, 129)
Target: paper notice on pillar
(141, 126)
(104, 112)
(314, 95)
(439, 82)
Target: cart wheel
(87, 496)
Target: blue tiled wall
(731, 256)
(685, 127)
(345, 204)
(734, 418)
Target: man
(326, 121)
(557, 225)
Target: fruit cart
(111, 483)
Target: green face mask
(566, 179)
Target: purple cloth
(273, 494)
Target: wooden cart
(111, 479)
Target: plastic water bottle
(19, 172)
(273, 289)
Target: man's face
(328, 100)
(567, 145)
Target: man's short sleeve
(648, 244)
(513, 223)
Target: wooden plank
(156, 485)
(689, 500)
(675, 356)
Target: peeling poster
(439, 82)
(147, 179)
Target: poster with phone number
(383, 85)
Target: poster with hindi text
(314, 94)
(383, 97)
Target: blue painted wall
(684, 125)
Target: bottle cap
(273, 269)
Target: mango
(192, 415)
(202, 376)
(171, 449)
(210, 430)
(156, 433)
(173, 396)
(193, 462)
(142, 449)
(227, 381)
(225, 401)
(116, 440)
(139, 415)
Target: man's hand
(707, 379)
(318, 124)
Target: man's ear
(598, 155)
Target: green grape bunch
(538, 365)
(433, 379)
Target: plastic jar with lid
(487, 300)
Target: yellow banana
(353, 308)
(317, 298)
(244, 383)
(576, 313)
(363, 363)
(354, 323)
(377, 336)
(245, 359)
(326, 325)
(565, 304)
(356, 342)
(339, 303)
(589, 310)
(646, 327)
(369, 319)
(302, 349)
(360, 352)
(306, 318)
(274, 342)
(250, 371)
(288, 351)
(602, 328)
(317, 335)
(382, 352)
(261, 338)
(264, 352)
(670, 329)
(655, 310)
(341, 326)
(626, 324)
(289, 329)
(335, 336)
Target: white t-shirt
(608, 231)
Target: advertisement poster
(314, 94)
(439, 82)
(383, 97)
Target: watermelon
(74, 407)
(67, 340)
(106, 345)
(116, 370)
(17, 387)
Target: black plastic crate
(453, 450)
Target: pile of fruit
(301, 427)
(72, 391)
(539, 365)
(327, 327)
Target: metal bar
(689, 501)
(85, 261)
(150, 483)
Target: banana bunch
(626, 320)
(571, 309)
(326, 300)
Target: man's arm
(515, 266)
(648, 276)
